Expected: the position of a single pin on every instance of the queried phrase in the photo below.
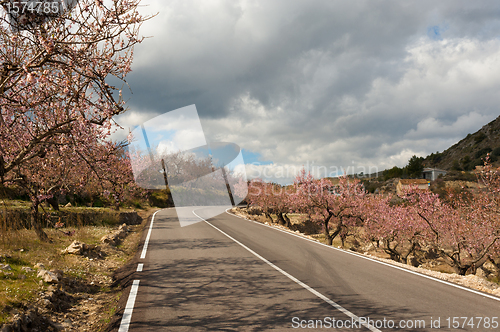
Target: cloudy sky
(337, 84)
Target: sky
(333, 86)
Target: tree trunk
(288, 223)
(461, 270)
(328, 237)
(393, 253)
(459, 267)
(496, 262)
(411, 251)
(268, 216)
(281, 220)
(53, 202)
(337, 232)
(343, 238)
(36, 224)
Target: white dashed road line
(127, 314)
(129, 307)
(145, 248)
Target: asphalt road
(232, 274)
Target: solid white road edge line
(129, 307)
(145, 247)
(375, 260)
(127, 313)
(312, 290)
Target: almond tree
(272, 198)
(283, 203)
(339, 211)
(241, 189)
(93, 169)
(56, 93)
(490, 178)
(463, 232)
(103, 171)
(260, 194)
(393, 227)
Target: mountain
(470, 151)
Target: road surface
(232, 274)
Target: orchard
(462, 229)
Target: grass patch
(21, 248)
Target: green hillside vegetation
(459, 160)
(470, 151)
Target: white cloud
(433, 128)
(438, 100)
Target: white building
(432, 173)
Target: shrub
(482, 153)
(394, 172)
(480, 137)
(456, 166)
(160, 198)
(371, 186)
(435, 158)
(459, 176)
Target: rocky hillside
(470, 151)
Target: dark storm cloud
(365, 38)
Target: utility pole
(151, 157)
(170, 200)
(225, 180)
(227, 186)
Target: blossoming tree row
(463, 228)
(60, 87)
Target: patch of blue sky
(156, 136)
(138, 142)
(238, 165)
(223, 153)
(254, 158)
(435, 32)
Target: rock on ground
(115, 237)
(29, 321)
(48, 276)
(27, 269)
(5, 267)
(80, 248)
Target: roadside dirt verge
(123, 278)
(66, 285)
